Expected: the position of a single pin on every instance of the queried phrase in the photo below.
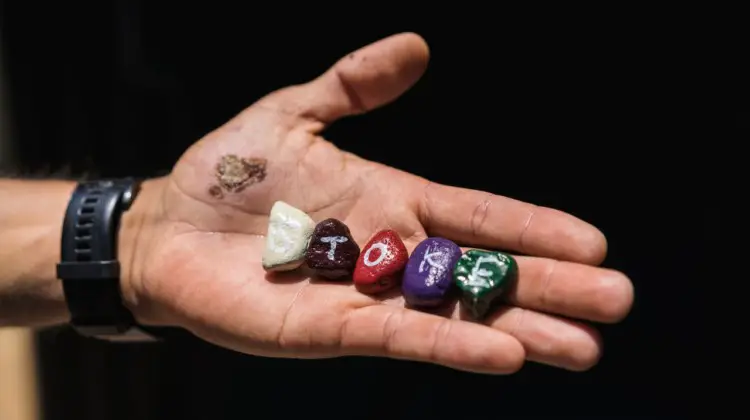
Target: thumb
(359, 82)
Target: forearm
(31, 217)
(31, 220)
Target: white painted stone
(289, 232)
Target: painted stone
(332, 252)
(289, 231)
(483, 277)
(429, 272)
(381, 263)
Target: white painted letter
(333, 240)
(429, 258)
(480, 277)
(383, 251)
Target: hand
(197, 258)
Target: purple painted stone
(429, 272)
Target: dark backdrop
(590, 120)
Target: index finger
(477, 218)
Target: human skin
(191, 245)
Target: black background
(592, 118)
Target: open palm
(201, 267)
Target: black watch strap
(89, 269)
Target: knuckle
(546, 284)
(344, 330)
(533, 210)
(479, 215)
(516, 321)
(424, 203)
(390, 330)
(442, 332)
(282, 340)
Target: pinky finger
(389, 331)
(550, 340)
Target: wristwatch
(88, 267)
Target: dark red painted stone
(381, 263)
(332, 252)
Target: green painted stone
(483, 277)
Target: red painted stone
(381, 263)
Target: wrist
(137, 234)
(31, 225)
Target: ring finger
(571, 289)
